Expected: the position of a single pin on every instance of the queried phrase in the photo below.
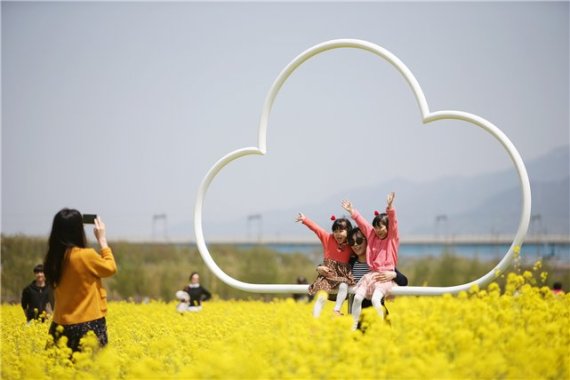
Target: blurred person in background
(192, 295)
(37, 298)
(302, 297)
(75, 272)
(557, 288)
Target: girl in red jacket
(334, 274)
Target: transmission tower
(162, 220)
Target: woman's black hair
(350, 239)
(352, 233)
(66, 232)
(192, 275)
(380, 219)
(341, 224)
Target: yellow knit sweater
(79, 295)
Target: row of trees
(157, 271)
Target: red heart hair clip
(333, 217)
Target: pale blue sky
(122, 108)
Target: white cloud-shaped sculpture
(427, 117)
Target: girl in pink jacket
(382, 255)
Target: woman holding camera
(74, 272)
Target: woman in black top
(193, 295)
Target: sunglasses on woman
(357, 241)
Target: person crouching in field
(334, 274)
(192, 295)
(382, 255)
(74, 272)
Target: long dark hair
(66, 232)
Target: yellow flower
(494, 287)
(474, 289)
(474, 334)
(527, 275)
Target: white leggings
(357, 305)
(321, 299)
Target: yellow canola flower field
(521, 333)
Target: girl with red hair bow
(382, 255)
(335, 274)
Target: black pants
(75, 332)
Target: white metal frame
(427, 117)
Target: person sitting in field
(381, 255)
(192, 295)
(334, 275)
(357, 241)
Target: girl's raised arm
(364, 226)
(321, 233)
(390, 199)
(347, 205)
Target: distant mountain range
(483, 204)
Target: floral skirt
(341, 274)
(368, 284)
(75, 332)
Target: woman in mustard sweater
(74, 272)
